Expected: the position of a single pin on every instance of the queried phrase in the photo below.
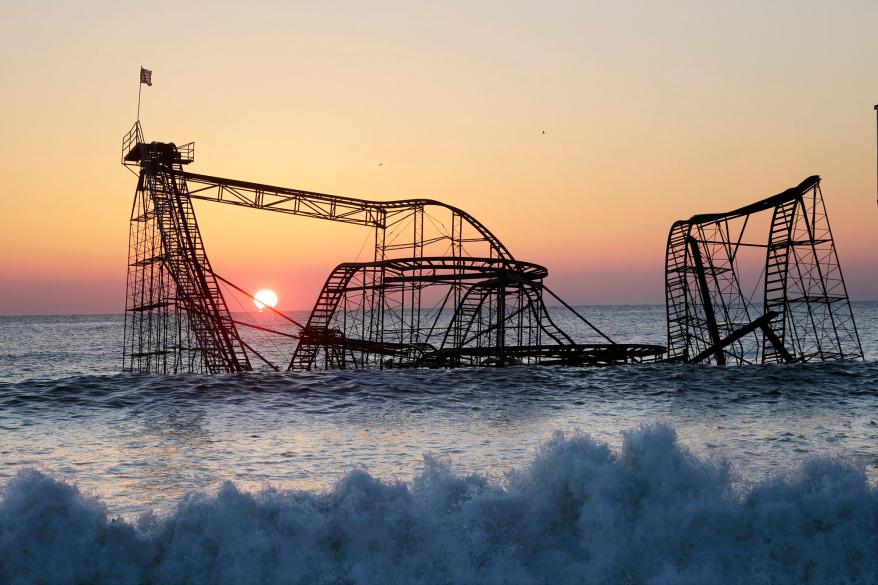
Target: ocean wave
(650, 512)
(446, 389)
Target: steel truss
(176, 318)
(440, 289)
(443, 311)
(803, 313)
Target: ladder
(467, 314)
(317, 331)
(676, 292)
(776, 274)
(197, 289)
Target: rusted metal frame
(809, 227)
(228, 335)
(832, 257)
(455, 318)
(305, 204)
(439, 312)
(494, 326)
(819, 192)
(539, 312)
(727, 287)
(416, 292)
(674, 264)
(739, 243)
(758, 323)
(208, 315)
(152, 182)
(733, 284)
(376, 322)
(732, 253)
(351, 202)
(769, 334)
(706, 302)
(772, 254)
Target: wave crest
(649, 513)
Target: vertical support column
(457, 253)
(706, 301)
(376, 306)
(501, 321)
(416, 286)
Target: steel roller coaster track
(441, 290)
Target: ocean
(648, 474)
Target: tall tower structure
(176, 319)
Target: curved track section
(803, 313)
(443, 312)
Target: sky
(652, 111)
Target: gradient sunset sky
(652, 111)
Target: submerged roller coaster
(798, 309)
(440, 290)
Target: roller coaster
(442, 291)
(798, 310)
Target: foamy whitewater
(651, 474)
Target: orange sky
(652, 112)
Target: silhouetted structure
(803, 312)
(439, 291)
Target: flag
(146, 76)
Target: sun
(265, 298)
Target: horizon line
(122, 313)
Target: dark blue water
(646, 474)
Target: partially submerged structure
(440, 290)
(798, 310)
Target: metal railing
(131, 140)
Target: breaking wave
(649, 513)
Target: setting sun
(265, 298)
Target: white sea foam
(649, 513)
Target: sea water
(633, 474)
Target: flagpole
(139, 91)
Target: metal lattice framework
(439, 291)
(803, 312)
(176, 318)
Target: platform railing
(131, 140)
(187, 152)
